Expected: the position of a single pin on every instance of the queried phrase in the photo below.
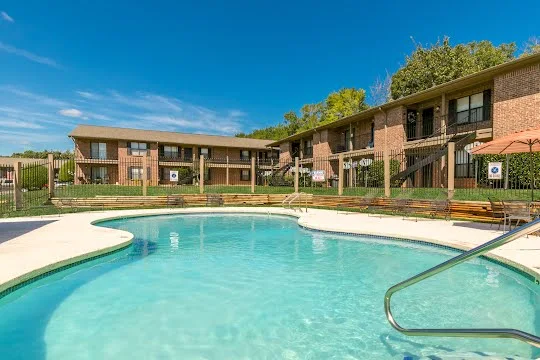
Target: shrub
(67, 171)
(375, 172)
(34, 177)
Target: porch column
(451, 169)
(227, 172)
(340, 174)
(386, 160)
(253, 174)
(296, 178)
(201, 174)
(17, 186)
(145, 174)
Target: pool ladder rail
(473, 253)
(290, 199)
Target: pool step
(464, 356)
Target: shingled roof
(166, 137)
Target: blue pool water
(260, 287)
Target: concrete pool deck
(51, 242)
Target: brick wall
(516, 99)
(83, 148)
(285, 152)
(396, 132)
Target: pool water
(261, 287)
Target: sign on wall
(495, 170)
(173, 175)
(365, 162)
(317, 175)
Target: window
(138, 149)
(99, 174)
(245, 175)
(188, 154)
(245, 154)
(170, 151)
(136, 173)
(470, 109)
(308, 148)
(204, 152)
(98, 150)
(464, 165)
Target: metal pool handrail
(475, 333)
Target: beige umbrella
(527, 141)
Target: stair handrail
(473, 332)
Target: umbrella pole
(532, 171)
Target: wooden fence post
(145, 174)
(201, 174)
(50, 175)
(17, 186)
(296, 177)
(340, 174)
(451, 163)
(253, 174)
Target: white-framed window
(138, 148)
(244, 154)
(204, 152)
(98, 174)
(98, 150)
(470, 108)
(136, 173)
(170, 151)
(245, 175)
(308, 148)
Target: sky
(211, 67)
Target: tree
(342, 103)
(441, 62)
(379, 92)
(31, 154)
(532, 46)
(67, 171)
(268, 133)
(311, 116)
(34, 177)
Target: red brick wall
(516, 99)
(396, 132)
(285, 152)
(83, 148)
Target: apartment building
(118, 156)
(475, 108)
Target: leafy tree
(270, 133)
(441, 62)
(375, 172)
(34, 177)
(67, 171)
(342, 103)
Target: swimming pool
(260, 287)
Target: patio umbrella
(527, 141)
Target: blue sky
(210, 67)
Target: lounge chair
(437, 207)
(497, 212)
(516, 211)
(360, 204)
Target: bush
(67, 171)
(34, 177)
(519, 169)
(375, 172)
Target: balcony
(174, 156)
(360, 142)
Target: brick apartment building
(118, 155)
(475, 108)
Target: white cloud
(41, 99)
(28, 55)
(71, 113)
(6, 17)
(19, 124)
(87, 95)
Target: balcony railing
(362, 141)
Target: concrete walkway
(50, 242)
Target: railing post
(17, 185)
(194, 166)
(253, 174)
(451, 163)
(296, 170)
(201, 174)
(386, 160)
(227, 172)
(50, 158)
(340, 174)
(145, 175)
